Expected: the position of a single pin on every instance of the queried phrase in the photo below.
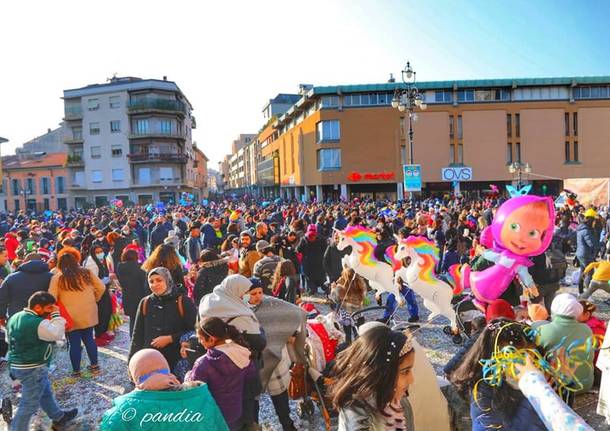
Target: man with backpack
(548, 270)
(265, 268)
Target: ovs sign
(462, 173)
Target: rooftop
(35, 161)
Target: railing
(74, 160)
(156, 104)
(154, 182)
(73, 113)
(156, 133)
(73, 140)
(160, 157)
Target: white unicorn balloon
(420, 276)
(362, 260)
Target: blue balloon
(278, 201)
(48, 213)
(205, 202)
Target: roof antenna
(113, 78)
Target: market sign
(358, 176)
(412, 177)
(462, 173)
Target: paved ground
(93, 395)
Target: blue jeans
(391, 303)
(74, 339)
(35, 392)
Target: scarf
(225, 303)
(166, 275)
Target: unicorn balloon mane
(421, 277)
(362, 260)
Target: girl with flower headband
(506, 389)
(372, 379)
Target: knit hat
(262, 245)
(565, 304)
(537, 312)
(149, 371)
(499, 308)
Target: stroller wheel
(447, 330)
(457, 339)
(305, 409)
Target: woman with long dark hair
(166, 256)
(371, 382)
(79, 291)
(133, 284)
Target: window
(465, 95)
(566, 149)
(115, 102)
(459, 127)
(115, 126)
(101, 201)
(576, 151)
(79, 178)
(46, 203)
(117, 151)
(460, 156)
(141, 127)
(166, 174)
(17, 208)
(165, 128)
(29, 185)
(330, 101)
(94, 128)
(443, 96)
(575, 123)
(62, 204)
(45, 185)
(518, 125)
(567, 123)
(364, 99)
(93, 104)
(15, 187)
(118, 175)
(60, 185)
(509, 125)
(77, 133)
(96, 152)
(328, 130)
(509, 153)
(451, 154)
(451, 127)
(518, 151)
(96, 176)
(329, 159)
(144, 175)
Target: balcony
(157, 182)
(73, 113)
(143, 134)
(157, 157)
(75, 160)
(156, 105)
(73, 140)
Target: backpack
(556, 264)
(179, 303)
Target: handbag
(63, 312)
(296, 387)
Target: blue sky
(231, 57)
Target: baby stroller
(465, 312)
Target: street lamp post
(518, 169)
(407, 99)
(25, 193)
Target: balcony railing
(138, 134)
(157, 157)
(73, 139)
(74, 160)
(156, 104)
(73, 113)
(156, 182)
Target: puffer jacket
(586, 243)
(194, 398)
(210, 275)
(332, 262)
(17, 288)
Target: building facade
(35, 181)
(348, 141)
(240, 163)
(201, 173)
(130, 139)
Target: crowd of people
(217, 303)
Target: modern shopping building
(347, 141)
(129, 138)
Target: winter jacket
(247, 259)
(81, 305)
(193, 398)
(158, 235)
(11, 243)
(133, 284)
(17, 288)
(332, 262)
(193, 249)
(359, 416)
(313, 255)
(163, 318)
(210, 275)
(568, 328)
(485, 417)
(226, 378)
(587, 244)
(264, 270)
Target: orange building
(347, 141)
(200, 166)
(36, 182)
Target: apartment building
(129, 138)
(347, 141)
(200, 171)
(240, 162)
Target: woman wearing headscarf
(162, 317)
(159, 391)
(226, 302)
